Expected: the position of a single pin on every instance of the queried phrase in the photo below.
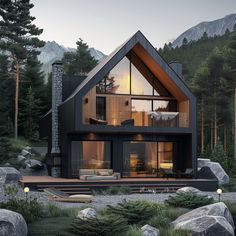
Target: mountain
(212, 28)
(52, 51)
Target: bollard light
(219, 191)
(26, 190)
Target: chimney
(56, 101)
(178, 68)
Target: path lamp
(219, 191)
(26, 190)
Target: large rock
(34, 164)
(202, 162)
(148, 230)
(189, 189)
(12, 224)
(9, 175)
(87, 213)
(207, 226)
(215, 209)
(21, 158)
(25, 153)
(216, 170)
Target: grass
(56, 226)
(231, 186)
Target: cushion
(84, 196)
(87, 172)
(103, 173)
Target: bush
(101, 225)
(136, 212)
(172, 232)
(188, 200)
(31, 209)
(134, 231)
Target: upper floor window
(131, 77)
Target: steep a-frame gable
(143, 48)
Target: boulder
(12, 224)
(25, 153)
(216, 171)
(9, 175)
(28, 148)
(207, 225)
(189, 189)
(192, 190)
(87, 213)
(215, 209)
(148, 230)
(202, 162)
(21, 158)
(34, 164)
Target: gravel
(100, 201)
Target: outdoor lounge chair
(58, 195)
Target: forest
(209, 69)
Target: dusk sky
(105, 24)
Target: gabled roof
(143, 48)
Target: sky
(105, 24)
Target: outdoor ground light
(219, 191)
(26, 190)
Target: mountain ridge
(212, 28)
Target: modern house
(132, 113)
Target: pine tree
(6, 95)
(18, 36)
(79, 62)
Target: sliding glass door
(144, 159)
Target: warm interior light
(26, 189)
(219, 191)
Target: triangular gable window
(131, 76)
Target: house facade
(132, 113)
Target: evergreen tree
(185, 41)
(79, 62)
(30, 115)
(6, 94)
(18, 36)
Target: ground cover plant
(188, 200)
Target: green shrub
(101, 225)
(30, 209)
(188, 200)
(232, 208)
(10, 190)
(136, 212)
(134, 231)
(52, 210)
(172, 232)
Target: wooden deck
(137, 185)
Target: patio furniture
(60, 196)
(128, 122)
(98, 174)
(188, 173)
(167, 173)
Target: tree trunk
(202, 128)
(225, 138)
(16, 95)
(215, 126)
(235, 122)
(212, 136)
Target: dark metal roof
(110, 61)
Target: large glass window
(140, 112)
(101, 108)
(90, 155)
(144, 159)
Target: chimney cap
(57, 63)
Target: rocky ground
(103, 200)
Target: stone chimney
(178, 68)
(56, 101)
